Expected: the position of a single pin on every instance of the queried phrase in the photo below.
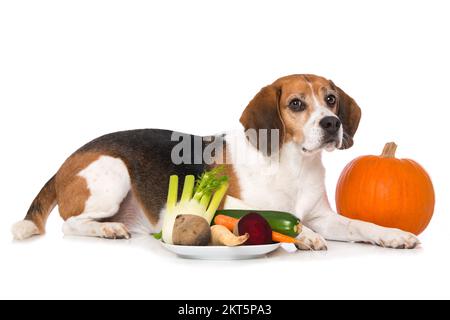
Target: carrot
(278, 237)
(230, 223)
(226, 221)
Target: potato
(191, 230)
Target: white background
(71, 71)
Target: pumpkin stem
(389, 150)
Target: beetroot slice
(257, 227)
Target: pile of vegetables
(188, 222)
(260, 229)
(185, 221)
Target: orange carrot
(279, 237)
(226, 221)
(230, 223)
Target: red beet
(257, 227)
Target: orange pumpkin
(390, 192)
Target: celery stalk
(172, 196)
(204, 201)
(215, 202)
(188, 189)
(170, 215)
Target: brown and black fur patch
(42, 205)
(147, 155)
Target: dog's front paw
(309, 240)
(397, 239)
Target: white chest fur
(290, 181)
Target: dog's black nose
(330, 124)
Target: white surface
(221, 253)
(71, 71)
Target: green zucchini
(282, 222)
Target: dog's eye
(297, 105)
(331, 100)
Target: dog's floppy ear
(349, 113)
(263, 113)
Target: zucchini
(282, 222)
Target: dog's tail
(34, 222)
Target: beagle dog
(116, 185)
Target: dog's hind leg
(92, 196)
(87, 225)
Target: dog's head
(306, 109)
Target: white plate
(221, 253)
